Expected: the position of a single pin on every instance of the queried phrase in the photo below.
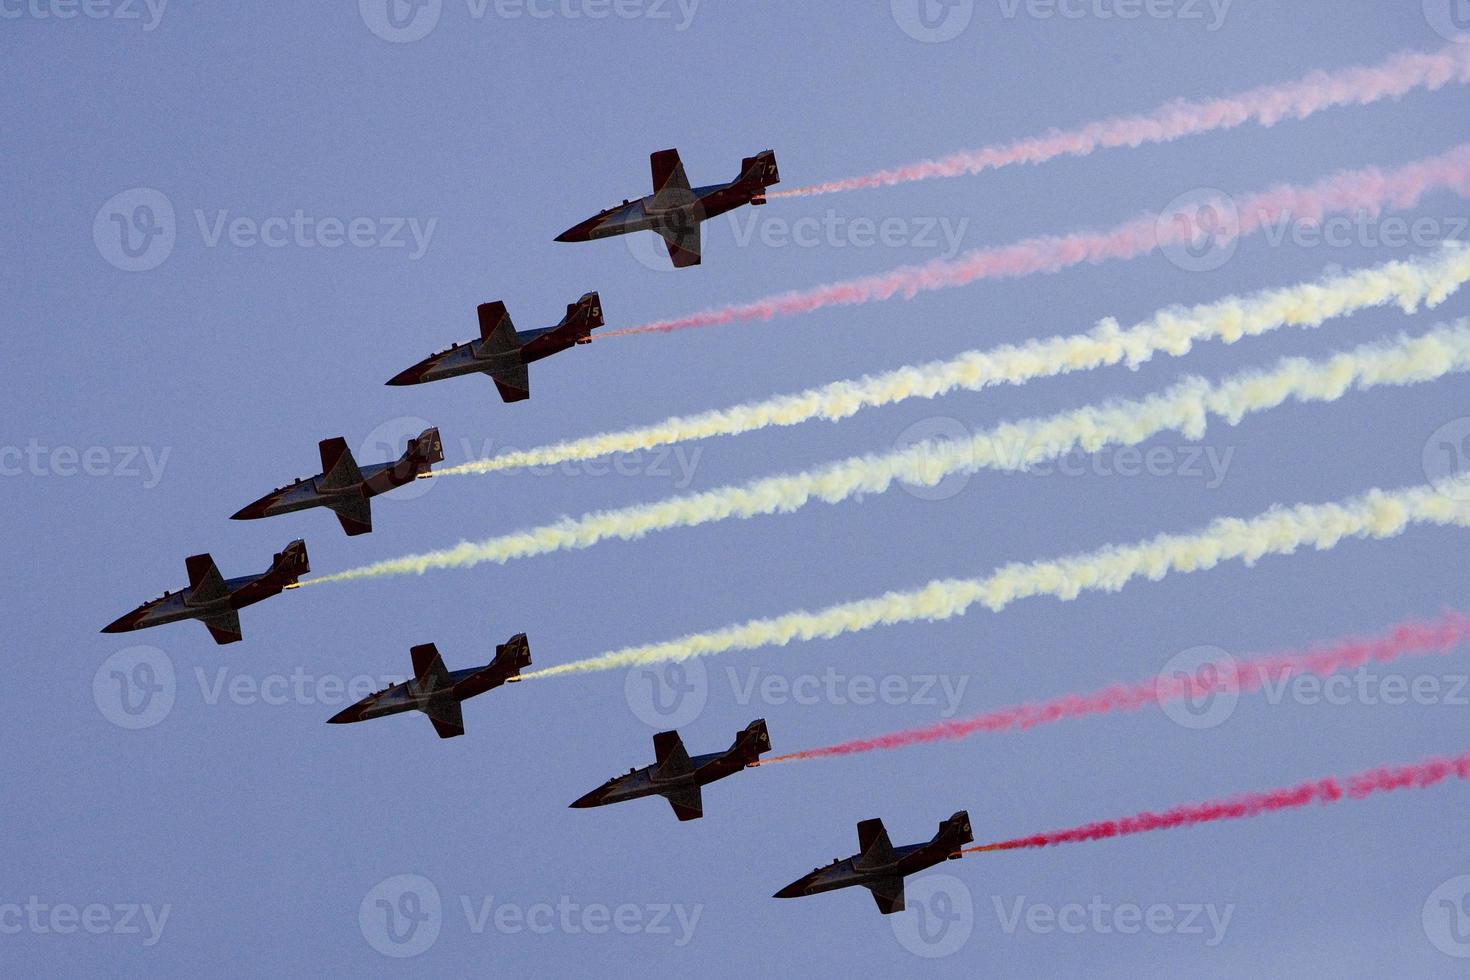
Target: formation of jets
(674, 211)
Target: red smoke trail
(1441, 636)
(1267, 105)
(1213, 222)
(1330, 790)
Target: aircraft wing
(205, 582)
(687, 801)
(497, 333)
(888, 893)
(671, 758)
(448, 719)
(683, 241)
(354, 513)
(670, 185)
(514, 383)
(428, 668)
(339, 469)
(874, 848)
(225, 628)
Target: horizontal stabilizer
(339, 469)
(514, 383)
(206, 584)
(225, 628)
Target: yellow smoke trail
(1428, 281)
(1185, 407)
(1280, 531)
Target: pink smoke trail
(1421, 775)
(1214, 223)
(1246, 676)
(1393, 78)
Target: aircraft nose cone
(593, 798)
(124, 624)
(411, 376)
(580, 232)
(794, 890)
(251, 512)
(346, 715)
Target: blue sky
(267, 838)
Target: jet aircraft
(214, 600)
(437, 692)
(502, 353)
(880, 867)
(344, 488)
(675, 210)
(678, 778)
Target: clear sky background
(270, 836)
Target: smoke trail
(1333, 789)
(1362, 85)
(1371, 190)
(1236, 676)
(1376, 515)
(1428, 280)
(1185, 406)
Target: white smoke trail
(1360, 85)
(1428, 280)
(1376, 515)
(1186, 407)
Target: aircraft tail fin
(206, 584)
(875, 850)
(426, 450)
(513, 654)
(752, 740)
(671, 758)
(497, 333)
(585, 315)
(761, 171)
(339, 469)
(291, 562)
